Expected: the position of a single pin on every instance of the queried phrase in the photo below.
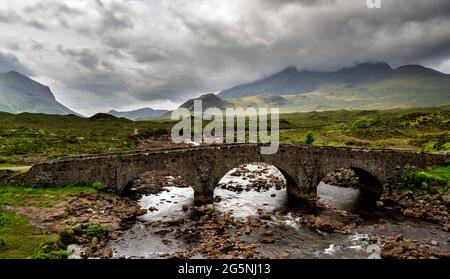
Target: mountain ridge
(19, 93)
(292, 81)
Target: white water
(168, 203)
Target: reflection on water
(338, 197)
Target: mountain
(208, 101)
(145, 113)
(18, 93)
(293, 81)
(364, 86)
(106, 117)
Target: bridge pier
(296, 193)
(203, 198)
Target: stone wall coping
(232, 146)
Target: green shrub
(440, 143)
(96, 230)
(67, 236)
(52, 249)
(310, 138)
(54, 244)
(98, 186)
(3, 220)
(363, 123)
(413, 179)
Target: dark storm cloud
(111, 16)
(280, 3)
(173, 49)
(84, 56)
(104, 84)
(51, 14)
(9, 62)
(10, 16)
(115, 15)
(55, 8)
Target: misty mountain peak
(293, 82)
(13, 74)
(19, 93)
(18, 77)
(373, 66)
(415, 70)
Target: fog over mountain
(364, 86)
(292, 81)
(368, 86)
(109, 53)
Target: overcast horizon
(101, 54)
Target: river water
(144, 241)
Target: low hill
(145, 113)
(208, 101)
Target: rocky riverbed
(71, 220)
(252, 217)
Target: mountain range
(364, 86)
(18, 93)
(293, 81)
(145, 113)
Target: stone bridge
(203, 167)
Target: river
(144, 240)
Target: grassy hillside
(393, 93)
(19, 239)
(406, 87)
(29, 138)
(425, 129)
(26, 138)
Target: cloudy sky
(102, 54)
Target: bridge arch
(202, 167)
(153, 181)
(370, 186)
(128, 171)
(289, 175)
(254, 168)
